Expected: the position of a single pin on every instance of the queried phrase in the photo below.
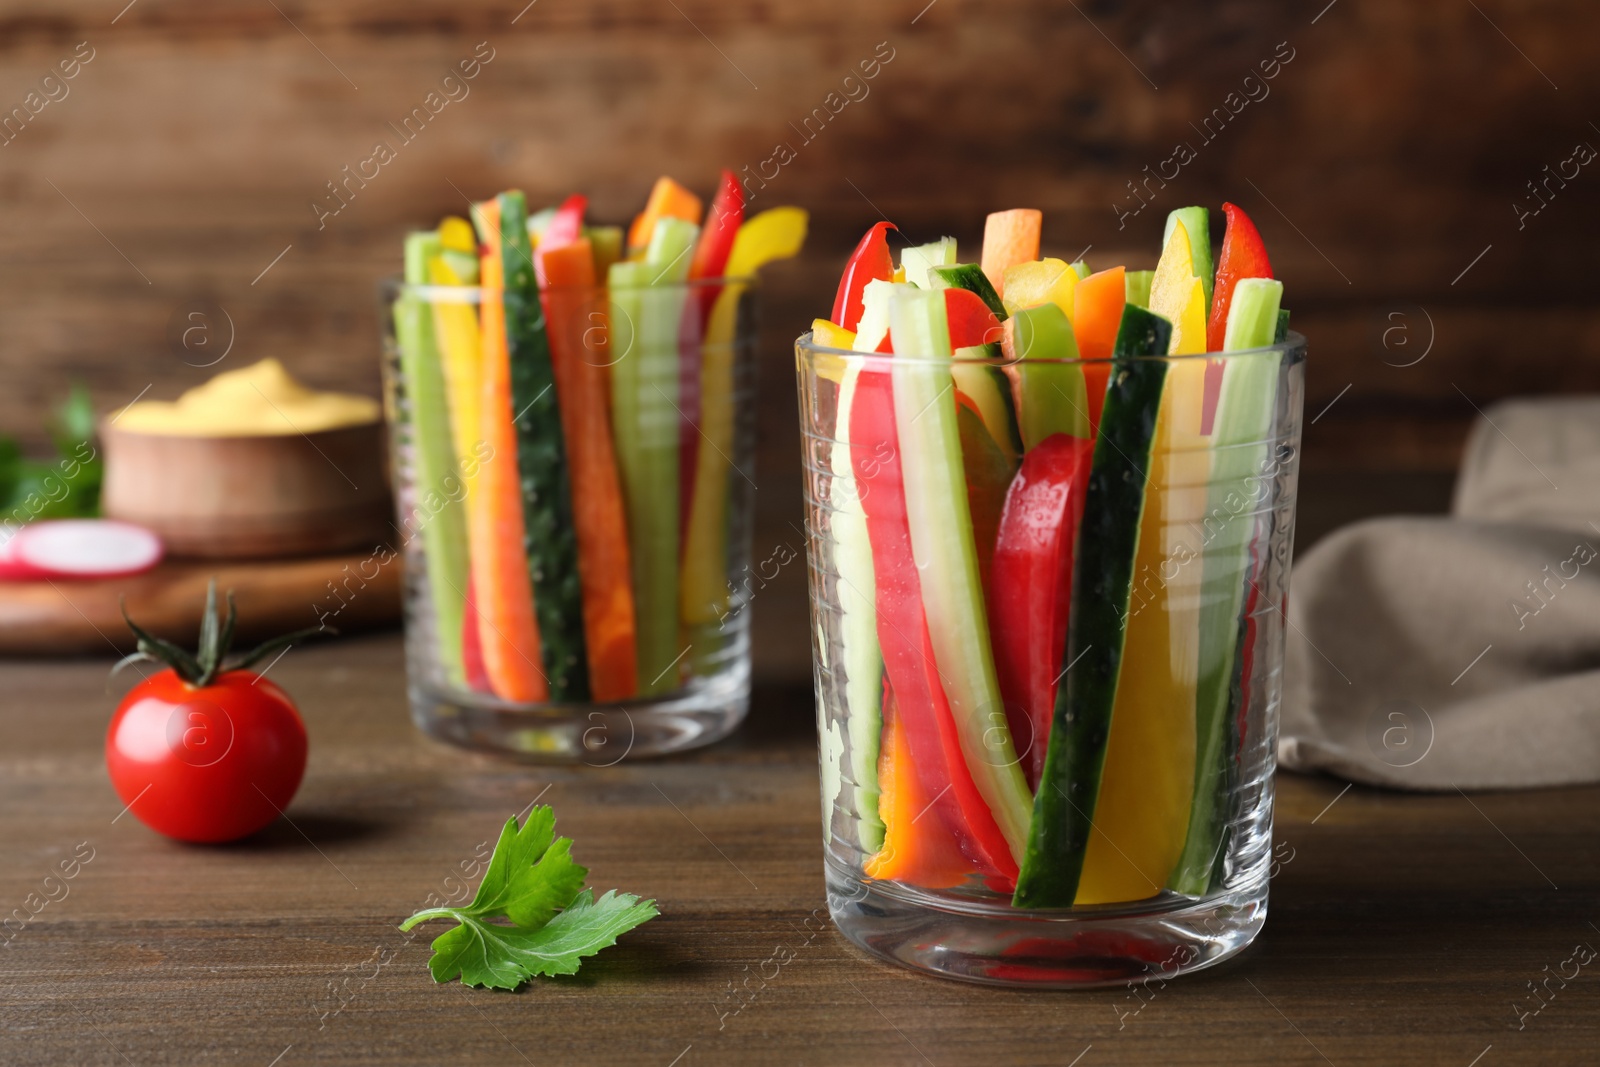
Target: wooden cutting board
(65, 617)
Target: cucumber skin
(1282, 333)
(858, 627)
(969, 276)
(1102, 585)
(549, 536)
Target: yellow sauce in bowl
(262, 399)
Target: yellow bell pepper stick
(776, 233)
(1141, 817)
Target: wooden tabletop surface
(1403, 930)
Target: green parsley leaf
(533, 881)
(503, 957)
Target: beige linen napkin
(1461, 652)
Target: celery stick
(874, 324)
(1137, 285)
(434, 508)
(1081, 268)
(649, 455)
(946, 556)
(1054, 398)
(919, 260)
(1239, 444)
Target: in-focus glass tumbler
(573, 495)
(1048, 671)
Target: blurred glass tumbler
(574, 554)
(1175, 818)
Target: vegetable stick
(1097, 315)
(1147, 781)
(507, 631)
(571, 304)
(551, 542)
(436, 507)
(668, 200)
(776, 233)
(1243, 423)
(917, 847)
(1009, 237)
(945, 553)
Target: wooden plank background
(1387, 154)
(1383, 163)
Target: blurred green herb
(65, 486)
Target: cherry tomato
(207, 764)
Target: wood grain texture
(1402, 927)
(66, 618)
(1383, 159)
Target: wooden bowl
(260, 496)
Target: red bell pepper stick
(871, 261)
(722, 225)
(710, 259)
(1031, 590)
(1244, 255)
(903, 634)
(971, 321)
(566, 225)
(472, 646)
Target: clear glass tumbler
(573, 513)
(1095, 721)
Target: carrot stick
(1096, 316)
(507, 632)
(573, 306)
(1009, 238)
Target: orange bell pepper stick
(668, 199)
(573, 308)
(507, 631)
(918, 848)
(1096, 317)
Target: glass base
(994, 944)
(596, 735)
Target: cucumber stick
(1282, 333)
(437, 510)
(549, 536)
(945, 552)
(1053, 396)
(647, 308)
(1102, 590)
(918, 261)
(990, 389)
(1239, 443)
(858, 625)
(1197, 220)
(968, 276)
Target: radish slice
(12, 568)
(85, 548)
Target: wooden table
(1403, 930)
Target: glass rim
(1295, 342)
(396, 286)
